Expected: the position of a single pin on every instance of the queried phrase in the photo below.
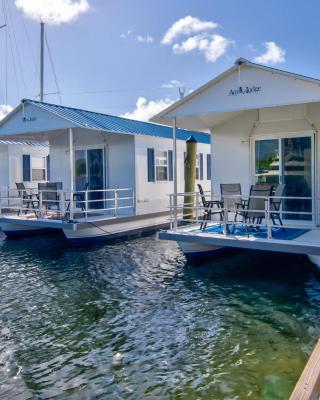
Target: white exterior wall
(11, 163)
(4, 166)
(233, 141)
(154, 196)
(231, 152)
(119, 152)
(15, 153)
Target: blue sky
(101, 64)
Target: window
(209, 167)
(162, 166)
(197, 167)
(38, 168)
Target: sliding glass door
(287, 160)
(89, 168)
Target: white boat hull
(197, 251)
(315, 260)
(16, 230)
(92, 232)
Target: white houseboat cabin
(264, 126)
(109, 176)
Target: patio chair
(254, 209)
(231, 197)
(50, 195)
(208, 208)
(79, 197)
(27, 198)
(275, 204)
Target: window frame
(44, 160)
(157, 165)
(198, 167)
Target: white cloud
(199, 38)
(146, 109)
(145, 39)
(172, 84)
(4, 110)
(187, 26)
(126, 35)
(211, 46)
(273, 54)
(53, 12)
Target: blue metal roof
(111, 123)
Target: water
(132, 321)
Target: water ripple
(132, 321)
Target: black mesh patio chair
(275, 204)
(27, 198)
(208, 207)
(50, 195)
(79, 197)
(232, 198)
(254, 209)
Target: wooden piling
(190, 177)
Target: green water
(133, 321)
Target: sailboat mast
(41, 58)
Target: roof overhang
(245, 86)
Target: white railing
(194, 212)
(67, 205)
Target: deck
(291, 240)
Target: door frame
(104, 158)
(279, 136)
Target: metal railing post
(71, 205)
(62, 202)
(269, 228)
(40, 205)
(115, 203)
(197, 206)
(134, 202)
(86, 204)
(225, 220)
(171, 214)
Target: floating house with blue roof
(104, 166)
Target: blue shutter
(150, 153)
(48, 167)
(209, 167)
(201, 166)
(26, 166)
(170, 164)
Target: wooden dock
(308, 385)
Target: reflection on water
(132, 321)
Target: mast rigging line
(119, 90)
(11, 50)
(53, 68)
(17, 48)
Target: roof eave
(163, 115)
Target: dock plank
(308, 385)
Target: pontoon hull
(15, 231)
(111, 229)
(198, 251)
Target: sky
(129, 57)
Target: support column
(71, 159)
(41, 59)
(175, 173)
